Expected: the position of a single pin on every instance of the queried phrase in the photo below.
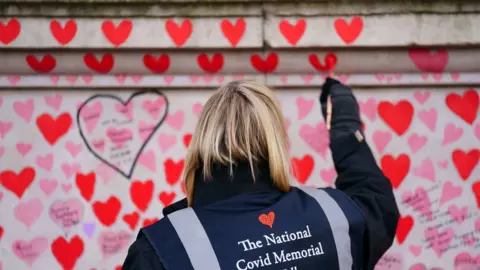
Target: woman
(242, 212)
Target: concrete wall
(72, 73)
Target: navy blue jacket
(363, 193)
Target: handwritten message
(112, 243)
(281, 256)
(66, 213)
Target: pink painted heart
(166, 141)
(14, 80)
(71, 79)
(421, 97)
(443, 164)
(98, 145)
(425, 170)
(419, 201)
(87, 79)
(197, 109)
(343, 78)
(207, 79)
(67, 214)
(73, 148)
(24, 109)
(154, 107)
(48, 186)
(194, 78)
(437, 76)
(137, 79)
(5, 127)
(466, 261)
(451, 134)
(45, 162)
(91, 114)
(175, 120)
(55, 79)
(284, 79)
(450, 192)
(416, 142)
(145, 130)
(304, 106)
(390, 261)
(307, 79)
(455, 76)
(439, 240)
(368, 108)
(237, 77)
(149, 160)
(120, 136)
(328, 175)
(470, 240)
(30, 251)
(70, 169)
(458, 214)
(381, 139)
(28, 212)
(23, 148)
(380, 77)
(121, 78)
(415, 250)
(168, 79)
(426, 60)
(477, 131)
(54, 101)
(105, 172)
(316, 137)
(113, 243)
(66, 187)
(429, 118)
(126, 110)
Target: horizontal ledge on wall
(241, 62)
(189, 81)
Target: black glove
(345, 116)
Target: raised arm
(358, 173)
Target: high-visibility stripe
(338, 223)
(194, 239)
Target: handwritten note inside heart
(29, 251)
(116, 131)
(67, 213)
(112, 243)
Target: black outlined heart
(112, 123)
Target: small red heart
(63, 34)
(293, 33)
(53, 129)
(179, 34)
(398, 116)
(173, 170)
(476, 192)
(149, 221)
(107, 212)
(141, 194)
(131, 220)
(105, 65)
(265, 66)
(186, 139)
(17, 183)
(210, 66)
(267, 219)
(466, 106)
(86, 184)
(349, 32)
(10, 31)
(157, 64)
(67, 253)
(395, 169)
(405, 225)
(167, 197)
(47, 64)
(233, 32)
(117, 35)
(302, 168)
(465, 162)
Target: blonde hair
(241, 121)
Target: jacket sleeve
(362, 180)
(142, 256)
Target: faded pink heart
(30, 251)
(24, 109)
(390, 261)
(121, 78)
(23, 148)
(429, 118)
(87, 79)
(66, 214)
(71, 79)
(70, 169)
(73, 148)
(112, 243)
(343, 78)
(66, 187)
(99, 145)
(381, 139)
(469, 240)
(14, 80)
(5, 127)
(368, 108)
(166, 141)
(421, 97)
(238, 77)
(443, 164)
(316, 137)
(220, 79)
(307, 78)
(175, 120)
(455, 76)
(450, 192)
(458, 214)
(328, 175)
(126, 110)
(415, 250)
(155, 107)
(425, 170)
(120, 136)
(145, 130)
(149, 160)
(45, 162)
(416, 142)
(168, 79)
(477, 131)
(48, 186)
(54, 101)
(451, 134)
(28, 212)
(424, 76)
(284, 79)
(55, 79)
(197, 109)
(439, 240)
(419, 201)
(437, 76)
(304, 106)
(91, 114)
(194, 78)
(207, 79)
(137, 78)
(105, 172)
(380, 77)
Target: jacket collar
(223, 185)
